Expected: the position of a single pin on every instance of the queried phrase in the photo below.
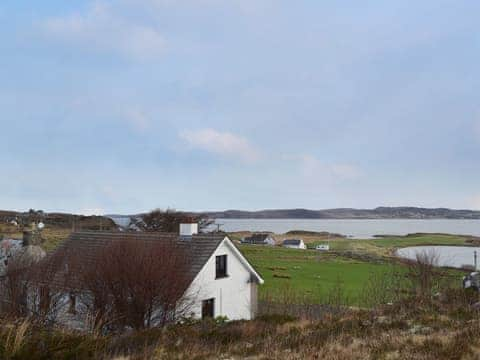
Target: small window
(221, 267)
(208, 308)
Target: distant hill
(60, 220)
(348, 213)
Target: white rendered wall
(232, 294)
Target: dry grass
(395, 332)
(51, 236)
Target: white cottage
(223, 282)
(294, 244)
(259, 239)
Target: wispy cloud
(138, 120)
(475, 202)
(313, 168)
(245, 7)
(100, 28)
(221, 143)
(476, 129)
(92, 211)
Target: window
(221, 267)
(208, 308)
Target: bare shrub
(14, 287)
(169, 221)
(288, 301)
(423, 274)
(134, 284)
(28, 290)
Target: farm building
(294, 244)
(259, 239)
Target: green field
(383, 246)
(314, 274)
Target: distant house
(322, 247)
(294, 244)
(221, 281)
(259, 239)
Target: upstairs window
(221, 267)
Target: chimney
(27, 238)
(187, 230)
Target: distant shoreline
(407, 213)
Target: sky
(129, 105)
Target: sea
(354, 228)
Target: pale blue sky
(123, 106)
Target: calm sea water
(454, 256)
(360, 229)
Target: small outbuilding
(259, 239)
(294, 244)
(322, 247)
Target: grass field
(384, 246)
(315, 274)
(312, 274)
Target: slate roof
(88, 244)
(295, 242)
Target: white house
(223, 283)
(294, 244)
(322, 247)
(259, 239)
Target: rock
(476, 306)
(382, 320)
(420, 330)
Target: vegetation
(350, 263)
(403, 310)
(311, 273)
(169, 220)
(385, 245)
(414, 328)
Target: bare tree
(135, 283)
(28, 289)
(14, 285)
(169, 221)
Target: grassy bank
(431, 330)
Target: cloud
(138, 120)
(244, 7)
(92, 211)
(313, 168)
(476, 129)
(475, 202)
(100, 28)
(222, 143)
